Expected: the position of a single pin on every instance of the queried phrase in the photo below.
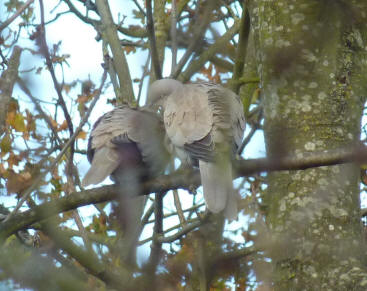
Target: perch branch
(181, 179)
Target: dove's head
(160, 90)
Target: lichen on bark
(310, 66)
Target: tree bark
(310, 56)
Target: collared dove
(127, 144)
(205, 124)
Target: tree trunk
(310, 57)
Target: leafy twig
(15, 15)
(62, 152)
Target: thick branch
(109, 32)
(86, 258)
(152, 41)
(34, 271)
(241, 49)
(180, 179)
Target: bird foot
(192, 189)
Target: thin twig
(178, 206)
(35, 101)
(247, 139)
(83, 18)
(157, 232)
(109, 33)
(191, 224)
(44, 50)
(152, 41)
(192, 208)
(144, 74)
(198, 35)
(15, 15)
(210, 52)
(139, 7)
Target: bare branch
(36, 103)
(83, 18)
(139, 7)
(87, 259)
(195, 40)
(241, 49)
(20, 264)
(156, 247)
(45, 52)
(247, 139)
(152, 40)
(210, 52)
(186, 229)
(109, 33)
(178, 206)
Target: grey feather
(105, 161)
(122, 128)
(205, 124)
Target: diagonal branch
(196, 65)
(62, 152)
(45, 52)
(86, 258)
(199, 33)
(241, 49)
(15, 15)
(109, 33)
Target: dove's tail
(218, 189)
(105, 161)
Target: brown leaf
(16, 120)
(13, 160)
(53, 122)
(82, 135)
(16, 183)
(5, 144)
(3, 171)
(63, 126)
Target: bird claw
(192, 189)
